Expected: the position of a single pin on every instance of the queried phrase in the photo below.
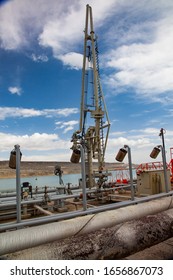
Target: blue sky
(41, 48)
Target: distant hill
(42, 168)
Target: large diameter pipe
(114, 243)
(31, 237)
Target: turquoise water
(53, 181)
(40, 181)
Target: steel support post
(18, 188)
(82, 149)
(164, 168)
(130, 170)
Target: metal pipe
(46, 212)
(83, 177)
(164, 168)
(18, 190)
(34, 192)
(7, 194)
(162, 147)
(130, 171)
(37, 194)
(40, 190)
(116, 186)
(34, 236)
(74, 214)
(10, 198)
(103, 245)
(34, 196)
(35, 201)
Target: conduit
(30, 237)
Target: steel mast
(91, 131)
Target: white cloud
(36, 147)
(15, 90)
(150, 131)
(39, 58)
(35, 143)
(145, 66)
(16, 112)
(48, 156)
(141, 143)
(140, 149)
(72, 59)
(64, 112)
(67, 126)
(116, 133)
(59, 27)
(144, 30)
(44, 146)
(21, 22)
(13, 112)
(64, 32)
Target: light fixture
(121, 154)
(156, 150)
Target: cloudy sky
(41, 47)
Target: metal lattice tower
(94, 119)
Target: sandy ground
(28, 169)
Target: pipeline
(31, 237)
(116, 242)
(37, 200)
(38, 191)
(74, 214)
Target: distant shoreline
(36, 169)
(13, 176)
